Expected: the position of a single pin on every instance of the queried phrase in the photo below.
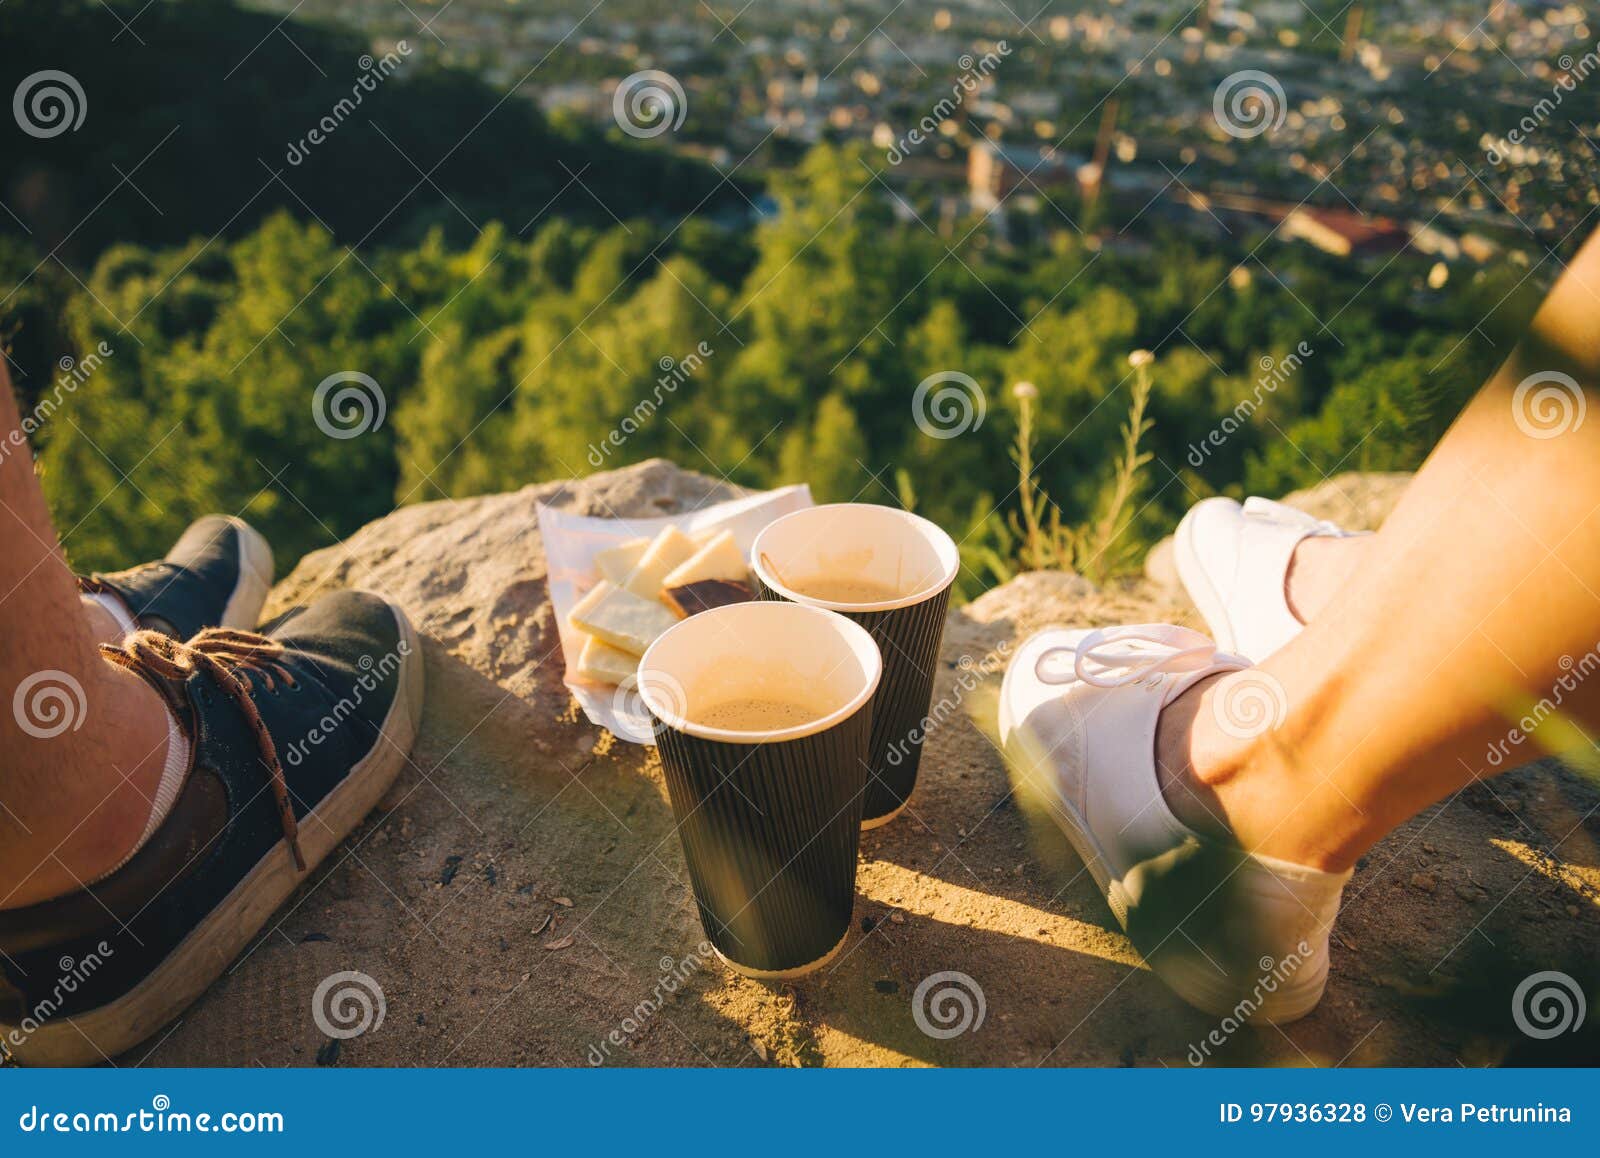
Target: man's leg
(1478, 596)
(82, 743)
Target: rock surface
(520, 897)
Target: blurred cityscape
(1462, 129)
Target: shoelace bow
(221, 652)
(1105, 658)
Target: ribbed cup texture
(770, 833)
(908, 638)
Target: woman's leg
(82, 743)
(1480, 597)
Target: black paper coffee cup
(911, 563)
(769, 811)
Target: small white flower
(1140, 358)
(1025, 390)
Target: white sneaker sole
(243, 609)
(204, 955)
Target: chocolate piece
(704, 595)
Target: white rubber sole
(1197, 582)
(201, 957)
(243, 610)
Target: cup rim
(863, 644)
(771, 581)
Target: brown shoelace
(220, 652)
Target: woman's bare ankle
(1234, 783)
(102, 779)
(1318, 568)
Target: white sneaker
(1232, 933)
(1233, 559)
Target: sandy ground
(520, 897)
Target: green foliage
(790, 352)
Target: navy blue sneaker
(295, 735)
(216, 575)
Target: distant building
(1345, 233)
(994, 170)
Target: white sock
(172, 777)
(115, 608)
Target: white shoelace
(1166, 650)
